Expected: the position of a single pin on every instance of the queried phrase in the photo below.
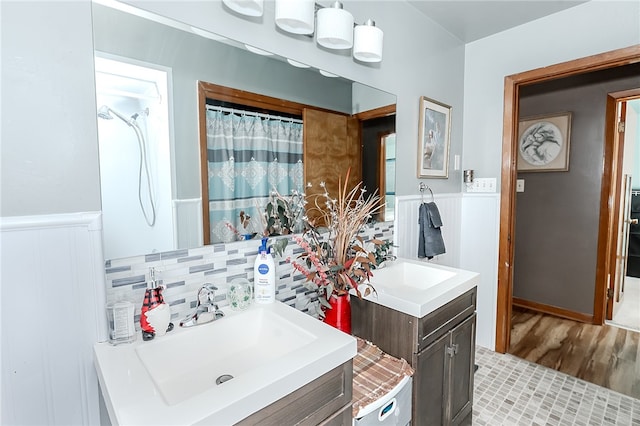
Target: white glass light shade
(297, 64)
(327, 74)
(246, 7)
(335, 28)
(367, 42)
(257, 51)
(295, 16)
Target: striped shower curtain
(248, 157)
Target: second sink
(417, 288)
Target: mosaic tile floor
(510, 391)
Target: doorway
(623, 301)
(513, 84)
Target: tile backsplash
(182, 272)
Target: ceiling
(471, 20)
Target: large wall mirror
(148, 69)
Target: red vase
(339, 316)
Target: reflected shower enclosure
(135, 168)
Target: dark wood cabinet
(326, 401)
(440, 347)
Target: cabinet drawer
(443, 319)
(312, 404)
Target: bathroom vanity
(425, 314)
(249, 367)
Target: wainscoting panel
(479, 253)
(52, 299)
(407, 227)
(187, 223)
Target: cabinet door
(431, 384)
(462, 354)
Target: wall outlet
(482, 185)
(520, 185)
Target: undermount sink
(417, 287)
(220, 372)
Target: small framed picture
(543, 143)
(434, 138)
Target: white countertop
(417, 287)
(132, 397)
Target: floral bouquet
(335, 259)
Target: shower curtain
(248, 156)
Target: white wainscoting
(406, 226)
(52, 299)
(470, 229)
(480, 229)
(187, 228)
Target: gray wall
(557, 215)
(49, 150)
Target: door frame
(615, 58)
(614, 136)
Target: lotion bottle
(264, 275)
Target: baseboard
(553, 310)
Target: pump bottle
(264, 275)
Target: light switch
(482, 185)
(520, 185)
(456, 162)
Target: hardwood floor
(605, 355)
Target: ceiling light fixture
(335, 27)
(367, 42)
(296, 16)
(246, 7)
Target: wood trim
(204, 176)
(626, 95)
(376, 113)
(553, 310)
(255, 100)
(507, 218)
(607, 235)
(382, 171)
(615, 58)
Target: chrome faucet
(206, 309)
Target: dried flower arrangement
(335, 259)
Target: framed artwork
(543, 143)
(434, 139)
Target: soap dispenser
(155, 316)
